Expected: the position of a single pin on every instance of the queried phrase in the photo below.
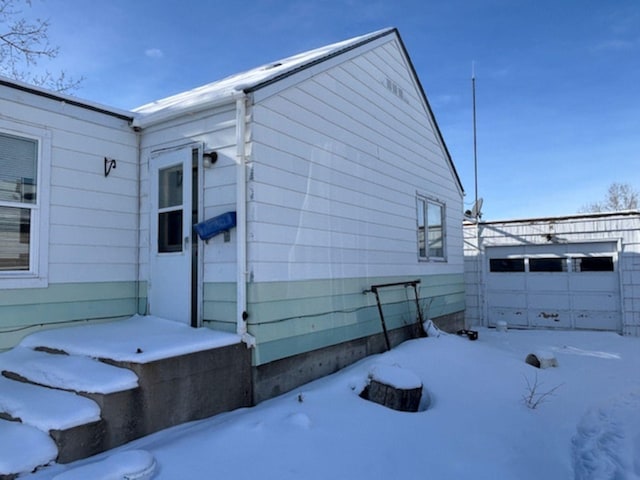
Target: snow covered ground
(477, 425)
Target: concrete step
(73, 421)
(23, 448)
(45, 408)
(66, 372)
(112, 390)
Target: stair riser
(79, 442)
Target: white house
(69, 233)
(311, 179)
(574, 272)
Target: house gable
(340, 152)
(393, 63)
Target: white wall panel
(338, 162)
(92, 219)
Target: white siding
(91, 218)
(216, 130)
(337, 162)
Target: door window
(170, 217)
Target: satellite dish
(476, 211)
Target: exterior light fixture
(209, 158)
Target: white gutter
(241, 222)
(145, 120)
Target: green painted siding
(219, 306)
(23, 311)
(142, 298)
(288, 318)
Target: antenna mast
(475, 142)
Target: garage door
(559, 285)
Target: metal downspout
(138, 134)
(241, 222)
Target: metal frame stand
(413, 283)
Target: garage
(574, 272)
(561, 286)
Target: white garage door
(558, 285)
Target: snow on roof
(227, 89)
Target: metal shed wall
(594, 300)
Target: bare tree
(620, 196)
(23, 43)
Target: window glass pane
(18, 167)
(170, 231)
(593, 264)
(435, 231)
(15, 229)
(170, 187)
(422, 249)
(506, 265)
(547, 264)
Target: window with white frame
(431, 231)
(20, 207)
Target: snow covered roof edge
(229, 88)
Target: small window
(593, 264)
(170, 221)
(548, 264)
(18, 200)
(431, 232)
(506, 265)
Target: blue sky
(558, 81)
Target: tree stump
(394, 388)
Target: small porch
(73, 392)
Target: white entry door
(170, 235)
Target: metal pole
(475, 143)
(384, 325)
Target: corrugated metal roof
(578, 216)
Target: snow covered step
(66, 372)
(132, 464)
(73, 421)
(45, 408)
(23, 448)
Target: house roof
(228, 89)
(225, 90)
(67, 99)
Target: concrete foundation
(275, 378)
